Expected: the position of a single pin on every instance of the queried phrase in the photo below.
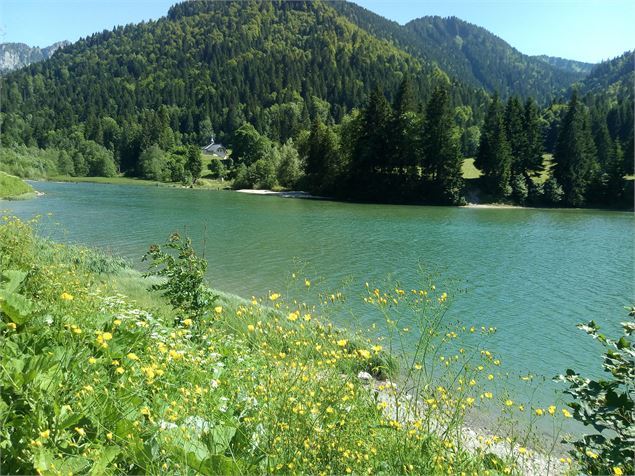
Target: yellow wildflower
(566, 413)
(187, 322)
(539, 411)
(617, 471)
(509, 402)
(293, 316)
(364, 353)
(342, 342)
(522, 450)
(251, 328)
(551, 409)
(274, 296)
(45, 434)
(488, 395)
(80, 431)
(591, 454)
(109, 436)
(132, 356)
(116, 322)
(12, 326)
(92, 360)
(66, 296)
(218, 309)
(119, 370)
(377, 348)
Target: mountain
(468, 52)
(17, 55)
(613, 77)
(571, 66)
(215, 65)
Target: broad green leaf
(12, 280)
(103, 460)
(219, 438)
(17, 307)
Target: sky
(584, 30)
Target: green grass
(99, 374)
(119, 180)
(547, 163)
(13, 187)
(469, 171)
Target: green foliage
(182, 274)
(153, 164)
(553, 193)
(29, 162)
(290, 168)
(494, 157)
(607, 405)
(575, 154)
(441, 149)
(11, 186)
(15, 306)
(216, 168)
(194, 163)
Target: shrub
(183, 275)
(607, 405)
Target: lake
(531, 273)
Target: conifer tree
(531, 153)
(494, 154)
(400, 140)
(515, 132)
(574, 157)
(372, 144)
(441, 149)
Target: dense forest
(328, 97)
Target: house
(215, 149)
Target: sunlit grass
(11, 186)
(469, 170)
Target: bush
(183, 276)
(607, 405)
(153, 164)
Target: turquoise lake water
(531, 273)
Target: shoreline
(216, 186)
(282, 194)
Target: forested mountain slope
(569, 65)
(468, 52)
(214, 65)
(614, 77)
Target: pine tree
(574, 158)
(441, 149)
(400, 140)
(515, 133)
(494, 154)
(371, 146)
(531, 154)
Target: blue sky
(585, 30)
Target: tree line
(404, 152)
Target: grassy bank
(202, 183)
(12, 187)
(101, 375)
